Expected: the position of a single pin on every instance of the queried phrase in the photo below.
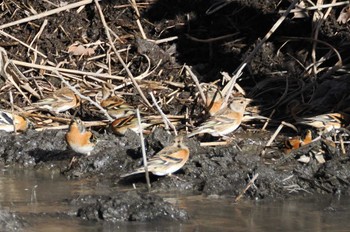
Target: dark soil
(275, 78)
(130, 206)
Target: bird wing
(5, 118)
(167, 155)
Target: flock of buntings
(222, 121)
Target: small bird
(166, 161)
(121, 125)
(60, 101)
(13, 122)
(117, 107)
(296, 142)
(326, 122)
(79, 139)
(214, 99)
(226, 120)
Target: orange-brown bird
(226, 120)
(214, 99)
(121, 125)
(60, 101)
(117, 107)
(12, 122)
(166, 161)
(296, 142)
(79, 139)
(326, 122)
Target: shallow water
(39, 197)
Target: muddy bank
(210, 170)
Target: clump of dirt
(127, 206)
(11, 222)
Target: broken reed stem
(84, 97)
(143, 148)
(165, 40)
(12, 111)
(36, 37)
(238, 87)
(195, 79)
(344, 142)
(46, 13)
(213, 144)
(138, 22)
(167, 122)
(268, 120)
(272, 138)
(23, 43)
(120, 58)
(341, 140)
(7, 70)
(64, 70)
(251, 182)
(318, 7)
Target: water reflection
(31, 193)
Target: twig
(276, 133)
(50, 68)
(12, 110)
(143, 150)
(344, 142)
(46, 13)
(167, 122)
(165, 40)
(9, 71)
(212, 144)
(23, 43)
(61, 127)
(119, 57)
(268, 120)
(238, 87)
(138, 22)
(169, 116)
(250, 183)
(341, 140)
(83, 97)
(318, 7)
(38, 35)
(195, 79)
(272, 138)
